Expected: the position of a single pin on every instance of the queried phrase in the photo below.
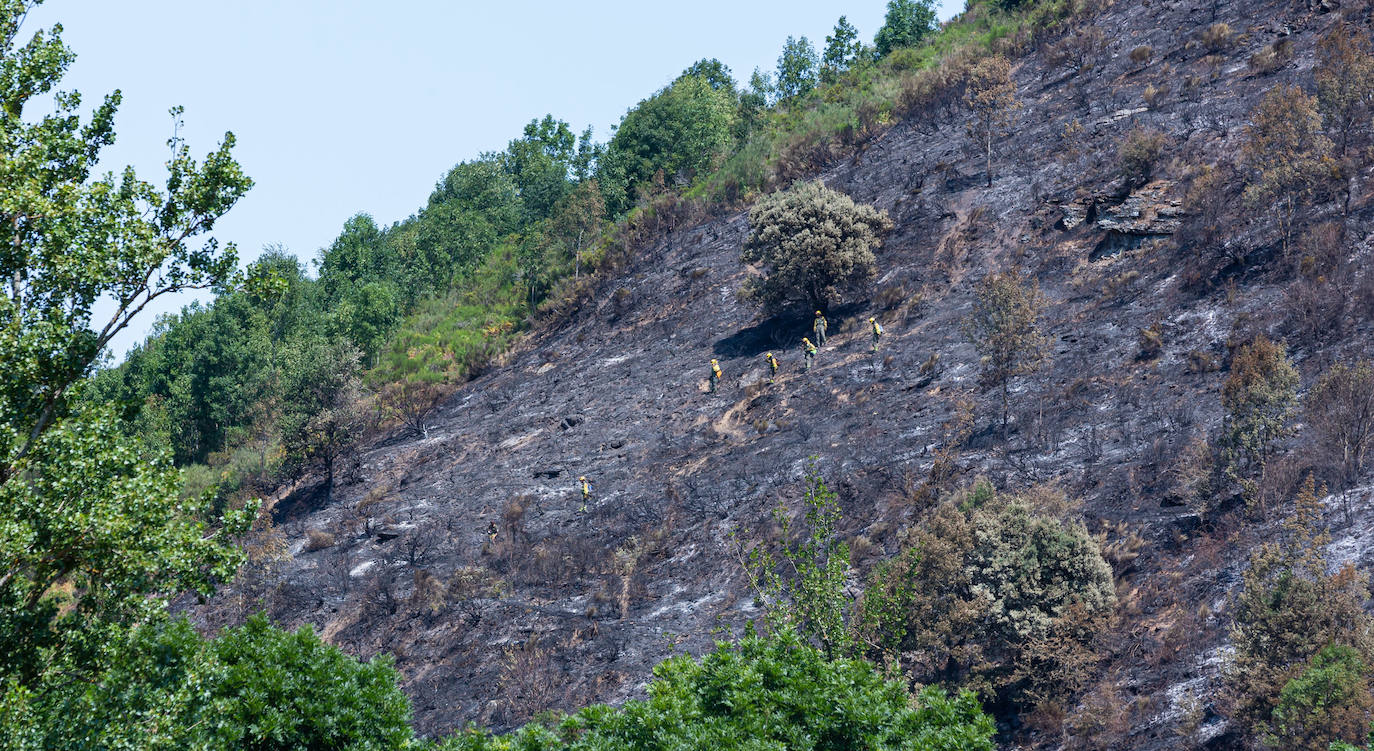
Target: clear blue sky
(342, 106)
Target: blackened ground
(574, 603)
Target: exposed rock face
(1147, 211)
(572, 600)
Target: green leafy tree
(754, 101)
(577, 224)
(254, 687)
(93, 536)
(586, 157)
(798, 69)
(470, 212)
(715, 73)
(842, 49)
(815, 245)
(908, 22)
(679, 131)
(1328, 702)
(773, 692)
(366, 316)
(541, 163)
(807, 594)
(358, 255)
(326, 417)
(1004, 328)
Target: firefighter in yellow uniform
(877, 332)
(818, 327)
(772, 366)
(715, 376)
(808, 352)
(586, 492)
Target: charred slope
(573, 602)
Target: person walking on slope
(877, 332)
(808, 352)
(586, 492)
(715, 376)
(772, 366)
(818, 327)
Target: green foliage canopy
(798, 69)
(255, 687)
(764, 693)
(907, 23)
(815, 245)
(680, 131)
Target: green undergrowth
(872, 97)
(763, 693)
(448, 339)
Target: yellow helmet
(767, 355)
(713, 362)
(870, 320)
(582, 479)
(818, 312)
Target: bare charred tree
(381, 597)
(1340, 413)
(420, 546)
(991, 95)
(412, 400)
(1005, 330)
(529, 680)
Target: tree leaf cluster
(815, 246)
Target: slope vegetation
(470, 553)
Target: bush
(1330, 701)
(1217, 37)
(774, 692)
(318, 539)
(1289, 608)
(815, 244)
(993, 594)
(1154, 95)
(1138, 153)
(255, 687)
(1266, 61)
(1151, 342)
(1259, 397)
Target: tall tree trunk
(989, 155)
